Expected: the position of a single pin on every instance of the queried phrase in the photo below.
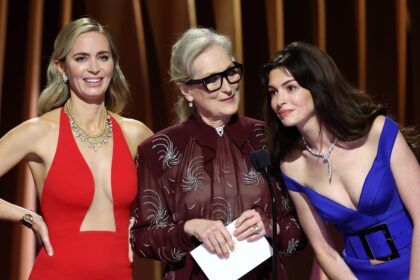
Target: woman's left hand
(130, 250)
(251, 225)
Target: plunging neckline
(363, 190)
(93, 184)
(89, 172)
(306, 189)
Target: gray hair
(189, 45)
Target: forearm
(155, 234)
(11, 212)
(415, 254)
(333, 265)
(169, 244)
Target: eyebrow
(288, 82)
(211, 74)
(283, 84)
(88, 54)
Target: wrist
(27, 220)
(188, 228)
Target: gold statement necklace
(325, 156)
(92, 141)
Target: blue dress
(380, 227)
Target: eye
(233, 71)
(80, 59)
(272, 92)
(291, 88)
(104, 57)
(212, 79)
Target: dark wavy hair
(343, 110)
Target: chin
(286, 123)
(230, 111)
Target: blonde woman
(81, 155)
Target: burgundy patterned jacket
(188, 171)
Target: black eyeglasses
(215, 81)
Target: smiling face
(89, 66)
(214, 107)
(292, 103)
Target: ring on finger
(256, 229)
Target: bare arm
(21, 143)
(406, 171)
(329, 259)
(16, 145)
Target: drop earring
(190, 104)
(64, 77)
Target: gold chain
(93, 142)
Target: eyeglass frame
(223, 74)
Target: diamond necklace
(93, 142)
(325, 156)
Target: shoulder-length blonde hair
(57, 91)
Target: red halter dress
(67, 195)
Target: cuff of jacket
(187, 241)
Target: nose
(93, 66)
(226, 86)
(280, 98)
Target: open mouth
(93, 80)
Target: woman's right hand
(213, 234)
(40, 230)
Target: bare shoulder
(134, 131)
(292, 163)
(37, 128)
(378, 125)
(33, 136)
(372, 139)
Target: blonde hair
(188, 46)
(57, 91)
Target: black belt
(381, 242)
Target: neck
(318, 140)
(215, 122)
(323, 147)
(324, 155)
(320, 144)
(89, 116)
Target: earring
(64, 77)
(190, 104)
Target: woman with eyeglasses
(196, 177)
(346, 162)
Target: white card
(245, 257)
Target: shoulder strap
(387, 139)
